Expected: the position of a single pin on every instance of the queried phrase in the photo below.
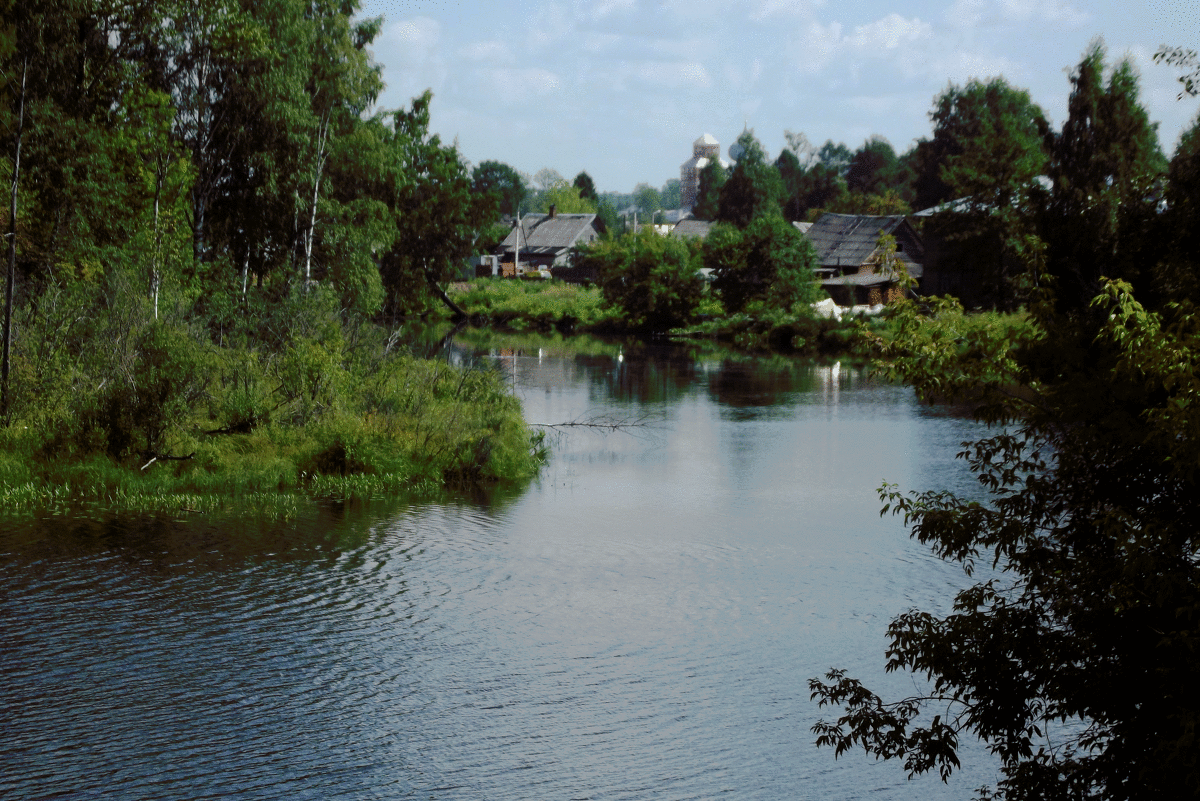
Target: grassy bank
(563, 309)
(549, 306)
(157, 417)
(533, 305)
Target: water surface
(640, 624)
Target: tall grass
(196, 427)
(533, 305)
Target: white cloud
(979, 13)
(607, 7)
(1044, 11)
(815, 47)
(493, 52)
(507, 85)
(417, 38)
(961, 66)
(673, 75)
(769, 8)
(413, 60)
(889, 33)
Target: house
(692, 228)
(849, 259)
(545, 241)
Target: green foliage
(874, 167)
(566, 199)
(501, 180)
(754, 188)
(708, 193)
(1186, 59)
(1105, 168)
(671, 194)
(648, 199)
(769, 261)
(586, 186)
(208, 224)
(533, 305)
(653, 280)
(1076, 661)
(1176, 275)
(990, 145)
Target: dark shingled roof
(845, 241)
(691, 228)
(543, 234)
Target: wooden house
(850, 262)
(545, 241)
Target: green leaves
(768, 261)
(652, 279)
(1089, 618)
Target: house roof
(850, 240)
(691, 228)
(541, 233)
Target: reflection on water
(639, 624)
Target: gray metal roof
(541, 233)
(692, 228)
(850, 240)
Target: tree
(1186, 59)
(647, 199)
(672, 194)
(887, 203)
(652, 279)
(799, 146)
(754, 187)
(1176, 276)
(503, 181)
(1075, 662)
(835, 156)
(768, 261)
(587, 187)
(791, 175)
(708, 192)
(1105, 167)
(547, 178)
(566, 199)
(873, 168)
(990, 140)
(437, 216)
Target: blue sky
(621, 88)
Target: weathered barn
(850, 261)
(545, 241)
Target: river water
(640, 623)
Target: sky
(621, 88)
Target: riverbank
(156, 419)
(555, 307)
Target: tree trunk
(155, 266)
(318, 169)
(12, 250)
(459, 314)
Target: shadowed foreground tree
(1076, 660)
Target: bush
(653, 281)
(769, 261)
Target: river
(640, 623)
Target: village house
(692, 228)
(544, 242)
(849, 259)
